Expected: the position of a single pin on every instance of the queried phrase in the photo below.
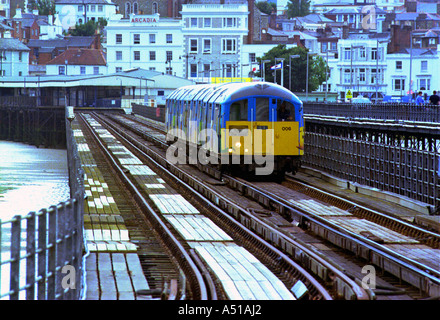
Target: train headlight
(246, 150)
(230, 150)
(238, 144)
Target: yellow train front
(255, 128)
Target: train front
(263, 129)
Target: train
(247, 127)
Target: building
(78, 62)
(72, 12)
(5, 8)
(214, 35)
(14, 57)
(362, 65)
(412, 71)
(145, 41)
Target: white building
(81, 11)
(361, 66)
(214, 36)
(14, 58)
(422, 63)
(145, 41)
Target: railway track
(286, 269)
(388, 258)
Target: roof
(62, 42)
(83, 57)
(82, 2)
(12, 44)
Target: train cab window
(285, 111)
(239, 111)
(262, 109)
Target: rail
(382, 111)
(43, 256)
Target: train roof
(223, 92)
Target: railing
(45, 260)
(382, 111)
(20, 101)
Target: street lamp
(351, 64)
(326, 72)
(282, 70)
(377, 65)
(290, 69)
(307, 74)
(264, 68)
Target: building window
(362, 75)
(80, 9)
(20, 56)
(100, 8)
(169, 38)
(362, 54)
(207, 22)
(127, 9)
(137, 55)
(424, 66)
(169, 70)
(193, 22)
(206, 70)
(193, 45)
(118, 55)
(152, 38)
(398, 65)
(206, 45)
(136, 38)
(82, 70)
(229, 22)
(152, 55)
(373, 53)
(227, 70)
(135, 8)
(95, 70)
(424, 84)
(324, 46)
(229, 45)
(155, 8)
(61, 70)
(193, 70)
(93, 8)
(347, 53)
(399, 84)
(118, 69)
(169, 55)
(252, 58)
(118, 38)
(347, 76)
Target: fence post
(15, 258)
(52, 252)
(30, 252)
(42, 229)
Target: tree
(45, 7)
(266, 7)
(88, 28)
(298, 8)
(317, 68)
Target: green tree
(298, 8)
(88, 28)
(317, 68)
(266, 7)
(45, 7)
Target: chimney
(18, 13)
(251, 9)
(411, 6)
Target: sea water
(31, 179)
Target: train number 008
(286, 128)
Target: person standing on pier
(419, 99)
(434, 99)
